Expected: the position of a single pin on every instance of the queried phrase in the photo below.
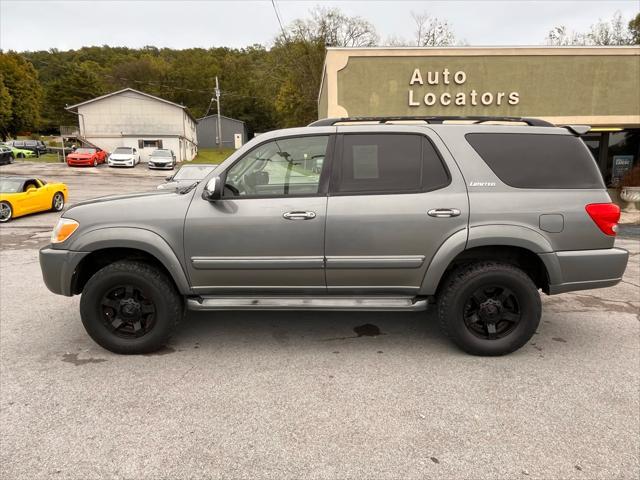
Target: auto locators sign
(457, 94)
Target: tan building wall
(591, 85)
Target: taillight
(605, 216)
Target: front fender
(137, 238)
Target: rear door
(396, 195)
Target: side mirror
(213, 190)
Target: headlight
(63, 230)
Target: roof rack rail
(533, 122)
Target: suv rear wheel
(489, 308)
(130, 307)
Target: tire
(489, 308)
(95, 163)
(118, 329)
(57, 202)
(6, 212)
(20, 155)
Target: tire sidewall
(53, 202)
(91, 312)
(528, 300)
(11, 212)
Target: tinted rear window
(389, 163)
(525, 160)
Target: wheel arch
(518, 245)
(109, 245)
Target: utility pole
(219, 123)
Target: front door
(267, 232)
(394, 199)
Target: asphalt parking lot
(302, 395)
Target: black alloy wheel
(492, 312)
(128, 312)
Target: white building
(129, 118)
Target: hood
(80, 156)
(115, 198)
(121, 156)
(176, 184)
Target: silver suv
(352, 214)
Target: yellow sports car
(23, 195)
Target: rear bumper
(584, 269)
(58, 269)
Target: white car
(124, 157)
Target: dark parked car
(187, 175)
(6, 155)
(36, 146)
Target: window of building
(623, 153)
(149, 143)
(525, 160)
(389, 163)
(289, 166)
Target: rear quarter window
(524, 160)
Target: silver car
(473, 220)
(162, 158)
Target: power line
(275, 9)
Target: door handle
(444, 212)
(299, 215)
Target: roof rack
(533, 122)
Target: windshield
(10, 185)
(86, 150)
(193, 172)
(125, 150)
(161, 153)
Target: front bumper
(584, 269)
(79, 163)
(160, 166)
(59, 268)
(121, 163)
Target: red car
(86, 156)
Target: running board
(370, 303)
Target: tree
(5, 108)
(21, 82)
(75, 83)
(334, 29)
(634, 30)
(429, 32)
(612, 32)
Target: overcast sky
(41, 25)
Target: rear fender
(487, 235)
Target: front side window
(389, 163)
(288, 166)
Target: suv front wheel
(489, 308)
(130, 307)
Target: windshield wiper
(188, 188)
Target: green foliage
(266, 88)
(5, 105)
(634, 30)
(25, 94)
(212, 155)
